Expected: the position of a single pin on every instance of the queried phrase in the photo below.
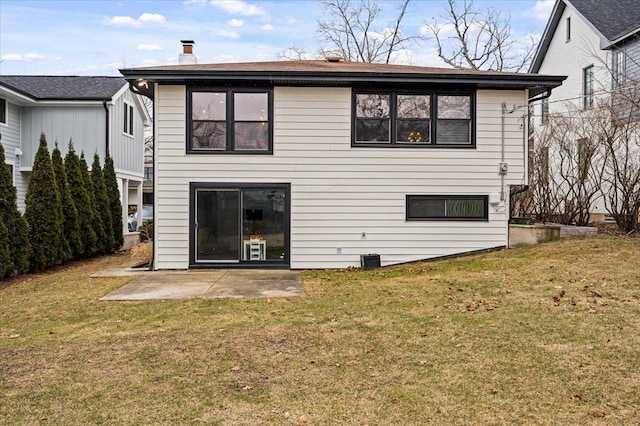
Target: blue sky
(99, 37)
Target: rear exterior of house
(95, 113)
(312, 164)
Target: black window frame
(393, 118)
(229, 120)
(483, 198)
(619, 67)
(127, 128)
(544, 111)
(4, 111)
(588, 81)
(568, 29)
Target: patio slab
(163, 285)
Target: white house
(596, 44)
(96, 113)
(311, 164)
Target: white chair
(255, 250)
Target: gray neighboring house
(96, 113)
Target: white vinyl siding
(127, 152)
(11, 142)
(339, 192)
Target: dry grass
(142, 253)
(541, 335)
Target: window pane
(209, 135)
(130, 121)
(454, 107)
(413, 131)
(209, 106)
(426, 208)
(250, 107)
(447, 207)
(372, 106)
(465, 208)
(453, 132)
(252, 136)
(125, 118)
(372, 130)
(412, 106)
(3, 111)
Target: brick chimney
(187, 57)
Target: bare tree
(568, 160)
(469, 38)
(351, 29)
(296, 53)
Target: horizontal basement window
(447, 207)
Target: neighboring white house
(311, 164)
(596, 44)
(96, 113)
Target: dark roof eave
(496, 80)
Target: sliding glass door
(245, 224)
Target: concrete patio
(163, 285)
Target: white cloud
(128, 21)
(152, 17)
(149, 47)
(237, 7)
(228, 34)
(235, 23)
(541, 11)
(220, 59)
(149, 62)
(267, 27)
(27, 57)
(196, 2)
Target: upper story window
(587, 87)
(568, 29)
(544, 116)
(619, 67)
(229, 120)
(128, 119)
(398, 119)
(3, 111)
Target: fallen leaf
(394, 400)
(302, 420)
(235, 368)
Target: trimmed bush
(44, 212)
(115, 206)
(16, 225)
(81, 200)
(96, 222)
(103, 211)
(6, 262)
(70, 226)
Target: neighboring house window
(128, 119)
(13, 177)
(148, 173)
(3, 111)
(587, 87)
(447, 207)
(568, 29)
(545, 111)
(230, 120)
(619, 68)
(411, 119)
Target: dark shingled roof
(613, 18)
(85, 88)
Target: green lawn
(540, 335)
